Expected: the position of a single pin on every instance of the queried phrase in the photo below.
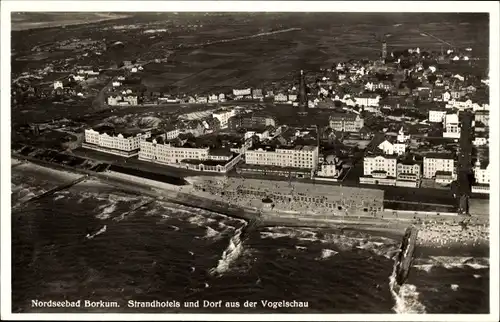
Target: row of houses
(160, 149)
(126, 99)
(391, 170)
(451, 122)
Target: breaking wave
(405, 296)
(107, 210)
(231, 253)
(451, 262)
(327, 253)
(211, 233)
(380, 246)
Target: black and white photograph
(250, 158)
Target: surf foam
(230, 254)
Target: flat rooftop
(272, 148)
(112, 131)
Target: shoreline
(266, 218)
(25, 26)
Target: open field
(199, 61)
(35, 20)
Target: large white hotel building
(301, 156)
(158, 150)
(106, 139)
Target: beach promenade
(435, 231)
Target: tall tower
(302, 94)
(384, 50)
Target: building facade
(482, 173)
(451, 126)
(223, 117)
(483, 117)
(346, 122)
(438, 162)
(367, 100)
(157, 150)
(436, 116)
(405, 168)
(170, 135)
(197, 159)
(251, 121)
(305, 156)
(378, 165)
(119, 144)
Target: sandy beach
(442, 233)
(435, 231)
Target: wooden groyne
(56, 189)
(137, 207)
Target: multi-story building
(406, 167)
(158, 150)
(408, 174)
(435, 162)
(330, 167)
(379, 169)
(451, 126)
(367, 99)
(199, 159)
(389, 148)
(380, 164)
(346, 122)
(480, 140)
(280, 97)
(122, 100)
(301, 156)
(386, 147)
(482, 172)
(172, 134)
(262, 134)
(240, 93)
(461, 105)
(251, 121)
(328, 170)
(483, 117)
(223, 117)
(437, 116)
(106, 139)
(482, 177)
(257, 94)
